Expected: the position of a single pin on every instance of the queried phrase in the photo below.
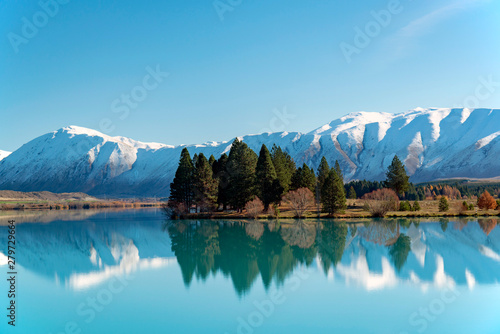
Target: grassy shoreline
(355, 210)
(72, 205)
(217, 215)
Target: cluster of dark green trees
(235, 179)
(421, 191)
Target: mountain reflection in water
(375, 254)
(372, 254)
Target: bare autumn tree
(300, 200)
(381, 201)
(254, 208)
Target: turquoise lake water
(136, 272)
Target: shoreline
(72, 205)
(354, 210)
(47, 216)
(215, 216)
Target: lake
(133, 271)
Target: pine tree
(304, 177)
(284, 167)
(268, 190)
(195, 159)
(443, 204)
(181, 189)
(397, 179)
(333, 193)
(222, 176)
(352, 193)
(323, 171)
(339, 171)
(205, 185)
(241, 166)
(211, 160)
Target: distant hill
(9, 195)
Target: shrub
(174, 210)
(498, 204)
(300, 200)
(254, 208)
(416, 206)
(443, 204)
(380, 208)
(405, 206)
(385, 194)
(471, 206)
(486, 201)
(384, 200)
(462, 208)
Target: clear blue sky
(227, 76)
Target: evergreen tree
(241, 166)
(195, 159)
(284, 167)
(205, 185)
(397, 179)
(211, 160)
(222, 176)
(181, 189)
(268, 187)
(323, 171)
(339, 171)
(443, 204)
(304, 177)
(352, 193)
(333, 194)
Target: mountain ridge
(4, 154)
(434, 143)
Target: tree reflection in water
(243, 250)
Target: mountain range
(434, 143)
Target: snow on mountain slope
(4, 154)
(434, 143)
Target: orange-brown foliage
(486, 201)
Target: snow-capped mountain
(433, 143)
(4, 154)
